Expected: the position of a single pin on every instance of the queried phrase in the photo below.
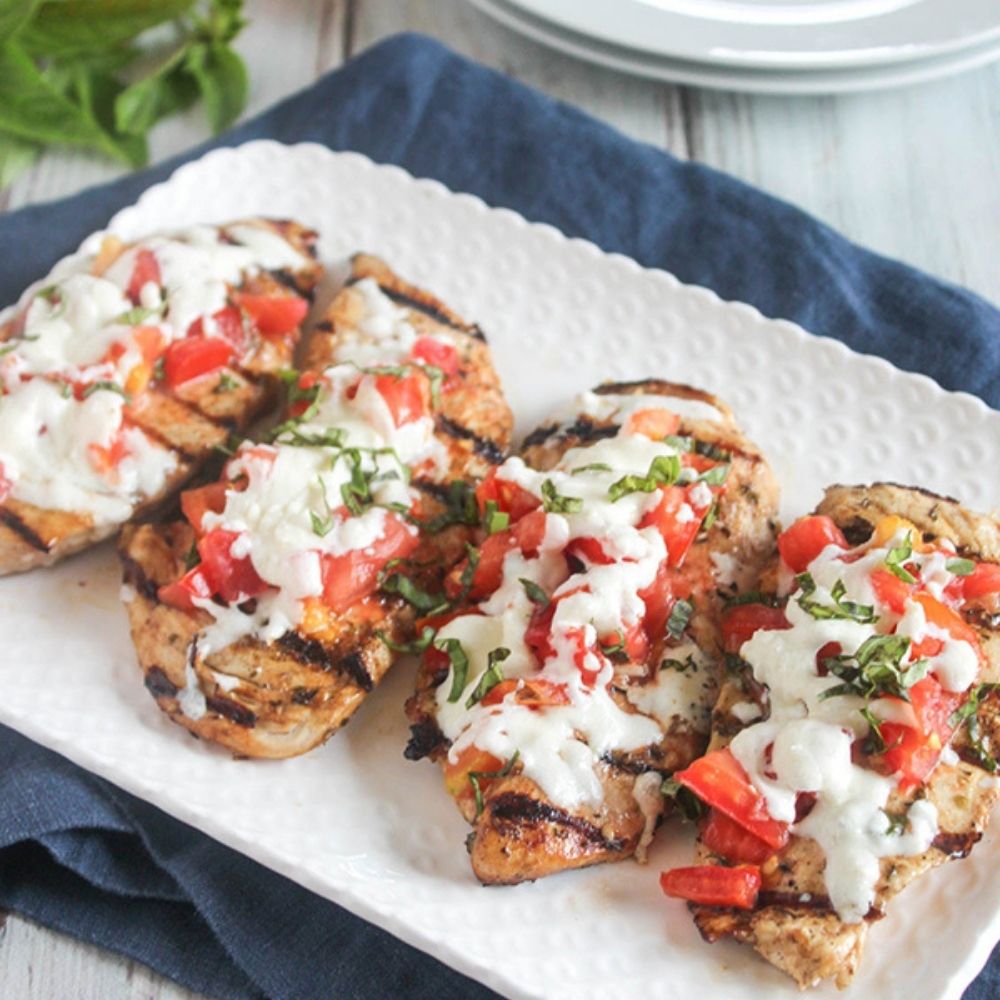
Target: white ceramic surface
(751, 79)
(779, 34)
(356, 822)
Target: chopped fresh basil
(553, 503)
(897, 557)
(492, 676)
(159, 370)
(681, 666)
(875, 669)
(874, 743)
(754, 597)
(459, 665)
(494, 519)
(960, 567)
(225, 383)
(435, 376)
(535, 593)
(229, 446)
(713, 451)
(841, 609)
(664, 470)
(191, 557)
(468, 575)
(715, 476)
(614, 650)
(103, 386)
(136, 315)
(593, 467)
(709, 519)
(416, 646)
(476, 776)
(422, 600)
(320, 525)
(460, 508)
(8, 347)
(690, 807)
(680, 615)
(679, 442)
(290, 433)
(897, 823)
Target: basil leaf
(681, 443)
(468, 575)
(135, 316)
(840, 609)
(664, 470)
(535, 593)
(460, 508)
(960, 567)
(495, 520)
(898, 556)
(459, 665)
(876, 669)
(422, 600)
(593, 467)
(492, 676)
(103, 386)
(554, 503)
(680, 615)
(476, 776)
(896, 823)
(166, 88)
(715, 476)
(74, 27)
(222, 79)
(416, 646)
(14, 15)
(687, 803)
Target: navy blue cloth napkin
(80, 855)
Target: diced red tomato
(431, 351)
(508, 496)
(740, 622)
(526, 534)
(105, 458)
(634, 640)
(653, 423)
(913, 751)
(181, 593)
(227, 323)
(306, 381)
(983, 580)
(273, 315)
(149, 340)
(538, 635)
(950, 621)
(800, 543)
(408, 397)
(456, 775)
(719, 781)
(890, 591)
(530, 692)
(145, 270)
(714, 885)
(926, 648)
(726, 838)
(589, 549)
(678, 531)
(196, 503)
(232, 578)
(659, 599)
(353, 575)
(589, 662)
(195, 356)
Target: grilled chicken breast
(808, 919)
(122, 372)
(653, 677)
(388, 366)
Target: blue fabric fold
(82, 856)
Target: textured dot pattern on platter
(360, 825)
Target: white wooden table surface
(912, 173)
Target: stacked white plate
(767, 46)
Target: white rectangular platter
(357, 823)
